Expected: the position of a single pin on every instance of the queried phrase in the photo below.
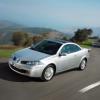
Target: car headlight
(33, 63)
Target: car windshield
(48, 47)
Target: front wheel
(48, 73)
(83, 64)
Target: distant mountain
(33, 30)
(6, 33)
(7, 28)
(8, 24)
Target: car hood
(28, 54)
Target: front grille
(19, 70)
(23, 62)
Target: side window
(74, 48)
(65, 49)
(70, 48)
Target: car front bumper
(31, 71)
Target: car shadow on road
(7, 74)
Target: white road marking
(90, 87)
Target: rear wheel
(48, 73)
(83, 64)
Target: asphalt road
(65, 86)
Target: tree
(20, 38)
(99, 40)
(45, 35)
(37, 38)
(65, 38)
(28, 42)
(82, 35)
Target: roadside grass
(6, 53)
(86, 44)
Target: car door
(69, 56)
(77, 53)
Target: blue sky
(57, 14)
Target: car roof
(58, 41)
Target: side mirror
(62, 54)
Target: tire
(83, 64)
(48, 73)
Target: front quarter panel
(52, 60)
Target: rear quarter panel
(85, 54)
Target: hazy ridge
(7, 28)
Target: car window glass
(65, 49)
(48, 47)
(74, 48)
(70, 48)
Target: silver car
(47, 58)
